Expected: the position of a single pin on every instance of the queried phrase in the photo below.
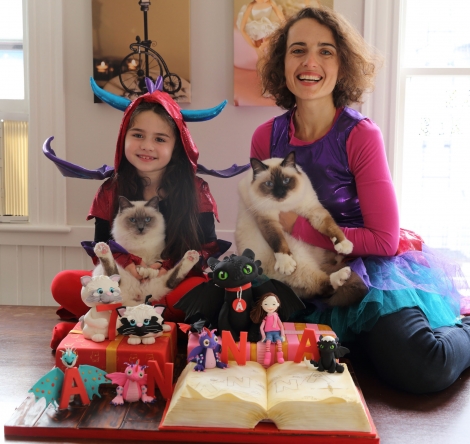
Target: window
(13, 115)
(433, 124)
(11, 50)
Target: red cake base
(139, 421)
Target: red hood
(173, 110)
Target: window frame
(44, 94)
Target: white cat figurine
(98, 290)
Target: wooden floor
(439, 418)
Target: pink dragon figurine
(131, 385)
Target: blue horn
(189, 115)
(120, 103)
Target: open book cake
(293, 396)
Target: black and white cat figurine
(140, 228)
(142, 323)
(279, 185)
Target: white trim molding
(45, 86)
(381, 30)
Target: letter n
(308, 344)
(239, 353)
(73, 385)
(164, 380)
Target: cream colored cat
(280, 185)
(140, 229)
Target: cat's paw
(285, 263)
(101, 249)
(148, 341)
(133, 341)
(344, 247)
(190, 259)
(338, 278)
(147, 272)
(191, 256)
(98, 337)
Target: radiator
(15, 168)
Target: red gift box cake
(111, 355)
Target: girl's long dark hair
(177, 187)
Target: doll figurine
(271, 328)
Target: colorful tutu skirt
(424, 279)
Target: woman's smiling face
(149, 144)
(311, 61)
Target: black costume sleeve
(102, 230)
(206, 230)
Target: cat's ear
(121, 311)
(159, 309)
(85, 280)
(289, 160)
(115, 278)
(153, 202)
(124, 203)
(258, 166)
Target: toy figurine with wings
(225, 302)
(85, 382)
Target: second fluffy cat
(280, 185)
(140, 229)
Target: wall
(29, 260)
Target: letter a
(68, 388)
(307, 337)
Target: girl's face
(149, 144)
(270, 304)
(311, 61)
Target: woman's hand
(287, 220)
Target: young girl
(271, 328)
(408, 323)
(155, 156)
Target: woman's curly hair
(358, 63)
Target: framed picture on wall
(254, 22)
(123, 56)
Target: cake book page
(296, 382)
(246, 383)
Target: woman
(315, 66)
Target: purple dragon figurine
(206, 355)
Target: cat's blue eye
(148, 219)
(132, 322)
(111, 290)
(286, 180)
(247, 269)
(132, 219)
(146, 321)
(222, 275)
(269, 183)
(100, 291)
